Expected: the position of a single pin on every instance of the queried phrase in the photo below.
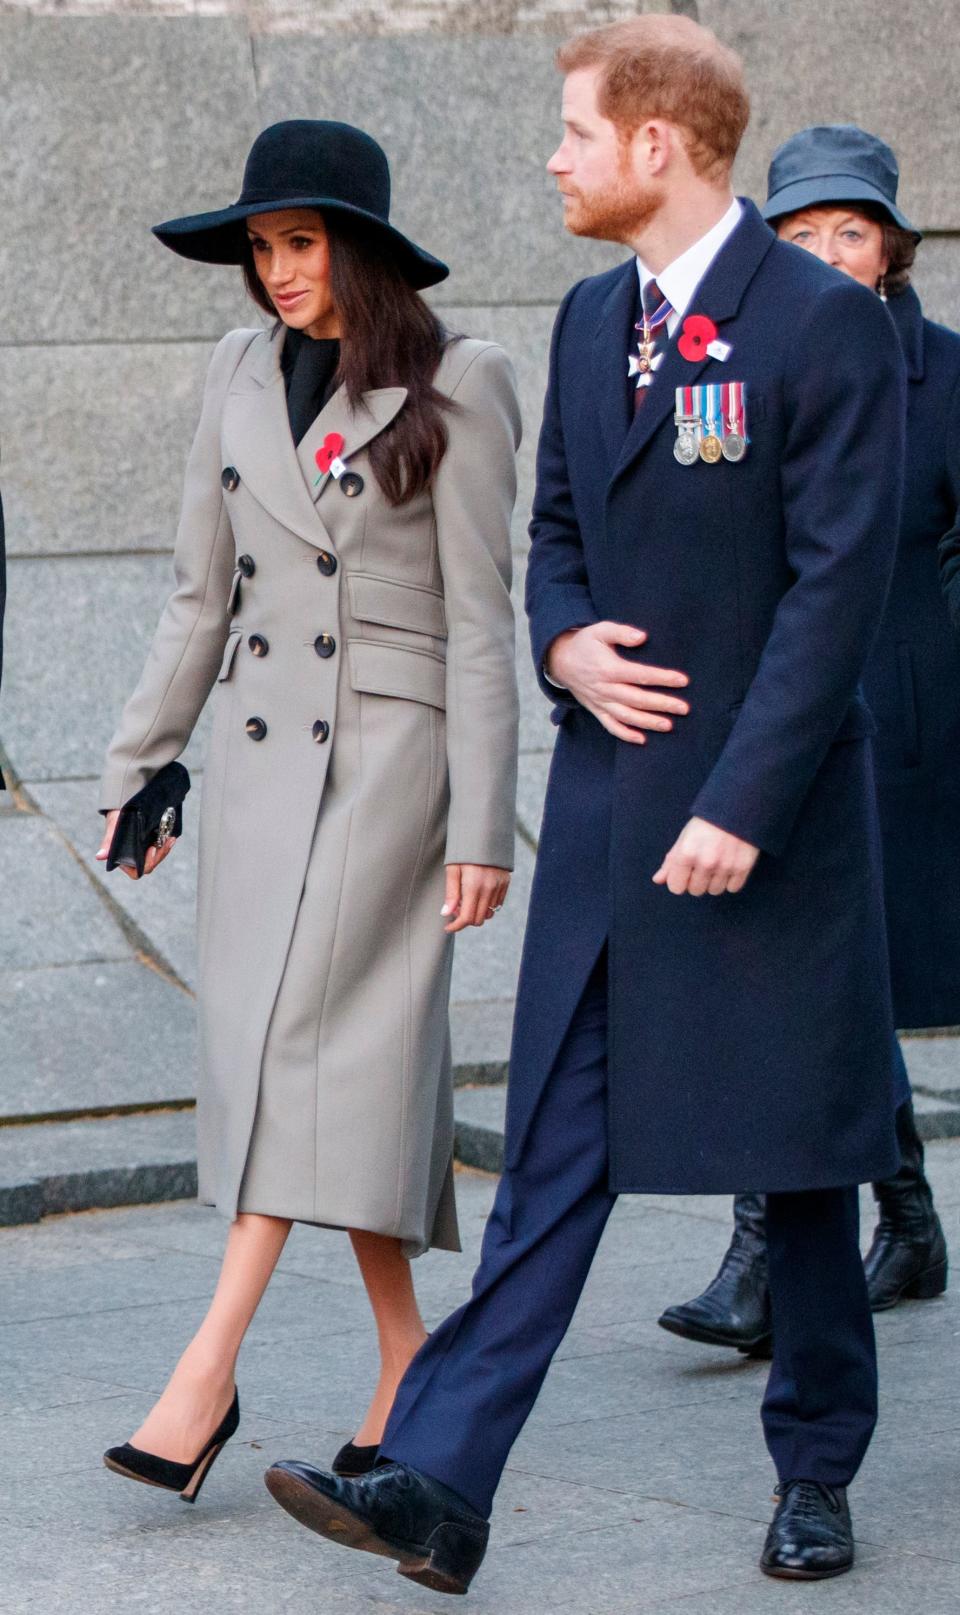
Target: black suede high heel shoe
(186, 1479)
(352, 1461)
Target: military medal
(734, 444)
(711, 448)
(641, 364)
(686, 448)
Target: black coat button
(258, 644)
(320, 731)
(230, 478)
(324, 645)
(256, 728)
(327, 563)
(247, 565)
(351, 484)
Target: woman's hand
(155, 855)
(475, 892)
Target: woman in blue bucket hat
(833, 191)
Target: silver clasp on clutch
(165, 828)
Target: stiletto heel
(186, 1479)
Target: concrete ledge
(47, 1168)
(53, 1167)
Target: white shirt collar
(679, 280)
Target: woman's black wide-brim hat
(305, 162)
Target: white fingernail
(447, 909)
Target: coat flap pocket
(229, 652)
(377, 668)
(397, 605)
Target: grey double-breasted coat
(361, 659)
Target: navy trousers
(469, 1391)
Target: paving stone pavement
(640, 1486)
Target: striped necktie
(656, 312)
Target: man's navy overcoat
(750, 1034)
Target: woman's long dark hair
(391, 338)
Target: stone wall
(117, 113)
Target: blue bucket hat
(830, 163)
(309, 163)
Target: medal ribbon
(712, 391)
(734, 407)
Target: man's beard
(620, 212)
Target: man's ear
(653, 145)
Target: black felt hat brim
(220, 237)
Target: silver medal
(687, 448)
(734, 446)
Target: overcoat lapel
(355, 426)
(907, 317)
(611, 346)
(258, 438)
(719, 296)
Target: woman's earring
(882, 288)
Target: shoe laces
(805, 1495)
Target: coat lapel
(258, 438)
(907, 317)
(719, 296)
(355, 426)
(611, 347)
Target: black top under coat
(309, 365)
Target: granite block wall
(117, 113)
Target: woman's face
(291, 255)
(846, 239)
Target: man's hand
(585, 661)
(704, 859)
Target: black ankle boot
(734, 1309)
(908, 1257)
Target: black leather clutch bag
(150, 818)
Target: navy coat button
(258, 644)
(324, 645)
(256, 728)
(247, 565)
(230, 478)
(327, 563)
(351, 484)
(320, 731)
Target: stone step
(48, 1168)
(90, 1162)
(52, 1167)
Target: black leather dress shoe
(810, 1536)
(907, 1260)
(435, 1536)
(734, 1309)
